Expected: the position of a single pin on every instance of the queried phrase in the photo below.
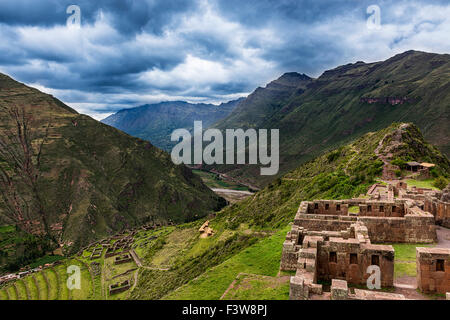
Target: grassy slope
(263, 258)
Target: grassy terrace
(421, 183)
(49, 284)
(405, 259)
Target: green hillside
(343, 104)
(249, 234)
(71, 179)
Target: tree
(20, 170)
(440, 182)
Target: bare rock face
(446, 194)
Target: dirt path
(136, 258)
(350, 160)
(407, 286)
(135, 280)
(138, 261)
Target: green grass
(353, 209)
(32, 289)
(405, 269)
(262, 258)
(421, 183)
(53, 286)
(22, 291)
(46, 259)
(250, 287)
(7, 229)
(42, 285)
(3, 295)
(86, 290)
(61, 273)
(405, 259)
(406, 251)
(12, 293)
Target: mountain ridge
(344, 103)
(155, 122)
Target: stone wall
(409, 229)
(439, 209)
(348, 260)
(339, 291)
(433, 270)
(373, 208)
(328, 255)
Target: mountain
(315, 115)
(155, 122)
(69, 177)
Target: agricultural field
(50, 284)
(213, 181)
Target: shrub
(399, 162)
(398, 173)
(440, 182)
(434, 173)
(333, 156)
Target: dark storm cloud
(130, 52)
(128, 16)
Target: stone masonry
(328, 242)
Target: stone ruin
(124, 258)
(96, 268)
(97, 253)
(205, 230)
(433, 270)
(125, 240)
(438, 203)
(329, 243)
(119, 287)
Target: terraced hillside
(74, 179)
(50, 284)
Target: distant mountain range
(315, 115)
(69, 177)
(155, 122)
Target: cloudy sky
(130, 52)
